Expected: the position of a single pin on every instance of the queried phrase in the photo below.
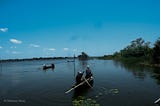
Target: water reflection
(139, 71)
(80, 92)
(0, 68)
(156, 75)
(48, 70)
(83, 64)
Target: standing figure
(88, 72)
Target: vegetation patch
(82, 101)
(139, 52)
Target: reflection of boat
(52, 66)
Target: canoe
(52, 66)
(88, 83)
(85, 84)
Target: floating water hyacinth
(81, 101)
(109, 91)
(100, 94)
(113, 91)
(96, 96)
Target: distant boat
(70, 61)
(52, 66)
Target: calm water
(25, 83)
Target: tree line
(140, 48)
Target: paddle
(76, 86)
(157, 101)
(87, 82)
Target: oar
(76, 86)
(157, 101)
(87, 82)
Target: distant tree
(116, 54)
(137, 48)
(83, 56)
(156, 51)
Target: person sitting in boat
(79, 77)
(52, 65)
(88, 72)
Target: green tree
(83, 56)
(137, 48)
(156, 52)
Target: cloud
(4, 29)
(1, 47)
(34, 45)
(49, 51)
(15, 52)
(13, 47)
(52, 49)
(74, 50)
(65, 49)
(15, 41)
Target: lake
(115, 83)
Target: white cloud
(49, 51)
(74, 50)
(13, 47)
(52, 49)
(15, 41)
(15, 52)
(65, 49)
(34, 45)
(1, 47)
(4, 29)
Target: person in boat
(79, 77)
(44, 66)
(88, 72)
(52, 65)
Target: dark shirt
(88, 73)
(78, 78)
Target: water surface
(115, 84)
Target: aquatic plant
(82, 101)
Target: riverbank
(36, 58)
(142, 61)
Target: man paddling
(88, 72)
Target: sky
(53, 28)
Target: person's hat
(79, 72)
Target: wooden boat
(86, 83)
(52, 66)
